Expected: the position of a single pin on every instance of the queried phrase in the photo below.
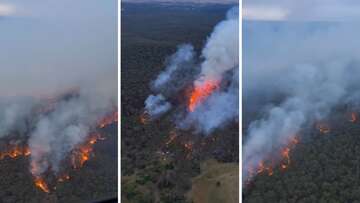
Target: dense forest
(325, 167)
(158, 160)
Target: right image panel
(301, 95)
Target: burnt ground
(325, 167)
(96, 180)
(156, 168)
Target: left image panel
(58, 101)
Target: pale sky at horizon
(187, 1)
(304, 10)
(49, 46)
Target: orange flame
(40, 183)
(108, 120)
(353, 118)
(323, 128)
(63, 178)
(285, 155)
(83, 152)
(263, 167)
(144, 118)
(200, 93)
(15, 151)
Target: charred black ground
(155, 167)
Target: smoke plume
(295, 74)
(213, 79)
(58, 79)
(156, 105)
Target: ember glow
(171, 138)
(201, 92)
(41, 184)
(108, 120)
(84, 151)
(354, 117)
(323, 128)
(63, 178)
(266, 167)
(144, 118)
(15, 151)
(79, 156)
(286, 157)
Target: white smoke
(312, 70)
(221, 52)
(156, 105)
(220, 63)
(220, 108)
(70, 122)
(183, 56)
(14, 114)
(176, 75)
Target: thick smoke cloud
(67, 45)
(219, 63)
(221, 52)
(177, 71)
(295, 75)
(58, 132)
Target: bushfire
(78, 157)
(144, 118)
(107, 120)
(354, 117)
(14, 151)
(267, 167)
(200, 93)
(40, 183)
(83, 152)
(323, 128)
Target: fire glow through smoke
(266, 167)
(209, 83)
(200, 93)
(81, 154)
(14, 151)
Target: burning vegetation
(79, 155)
(284, 155)
(267, 166)
(200, 93)
(353, 117)
(323, 128)
(83, 152)
(14, 150)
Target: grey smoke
(59, 51)
(219, 62)
(14, 114)
(305, 70)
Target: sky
(304, 10)
(49, 46)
